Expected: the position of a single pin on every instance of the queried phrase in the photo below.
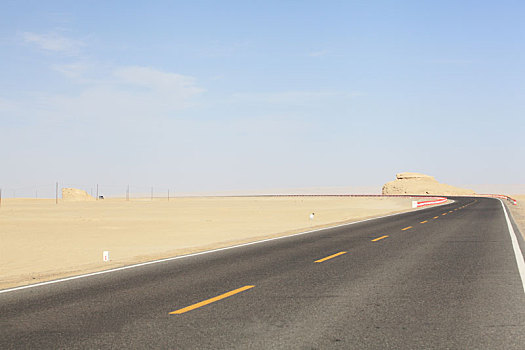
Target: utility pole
(97, 192)
(127, 194)
(56, 193)
(168, 194)
(152, 193)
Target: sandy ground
(518, 212)
(41, 240)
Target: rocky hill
(74, 195)
(421, 184)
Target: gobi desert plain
(43, 240)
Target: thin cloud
(72, 70)
(319, 53)
(218, 49)
(295, 97)
(6, 105)
(53, 42)
(110, 98)
(451, 61)
(159, 81)
(130, 93)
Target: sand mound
(414, 183)
(73, 194)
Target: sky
(203, 96)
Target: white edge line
(516, 247)
(204, 252)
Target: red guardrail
(434, 201)
(501, 196)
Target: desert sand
(42, 240)
(415, 183)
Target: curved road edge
(515, 246)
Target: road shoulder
(518, 213)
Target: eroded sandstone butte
(421, 184)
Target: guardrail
(501, 196)
(434, 201)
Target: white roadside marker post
(105, 256)
(312, 216)
(414, 204)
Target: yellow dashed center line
(242, 289)
(330, 257)
(379, 238)
(209, 301)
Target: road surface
(442, 278)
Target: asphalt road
(436, 281)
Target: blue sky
(237, 95)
